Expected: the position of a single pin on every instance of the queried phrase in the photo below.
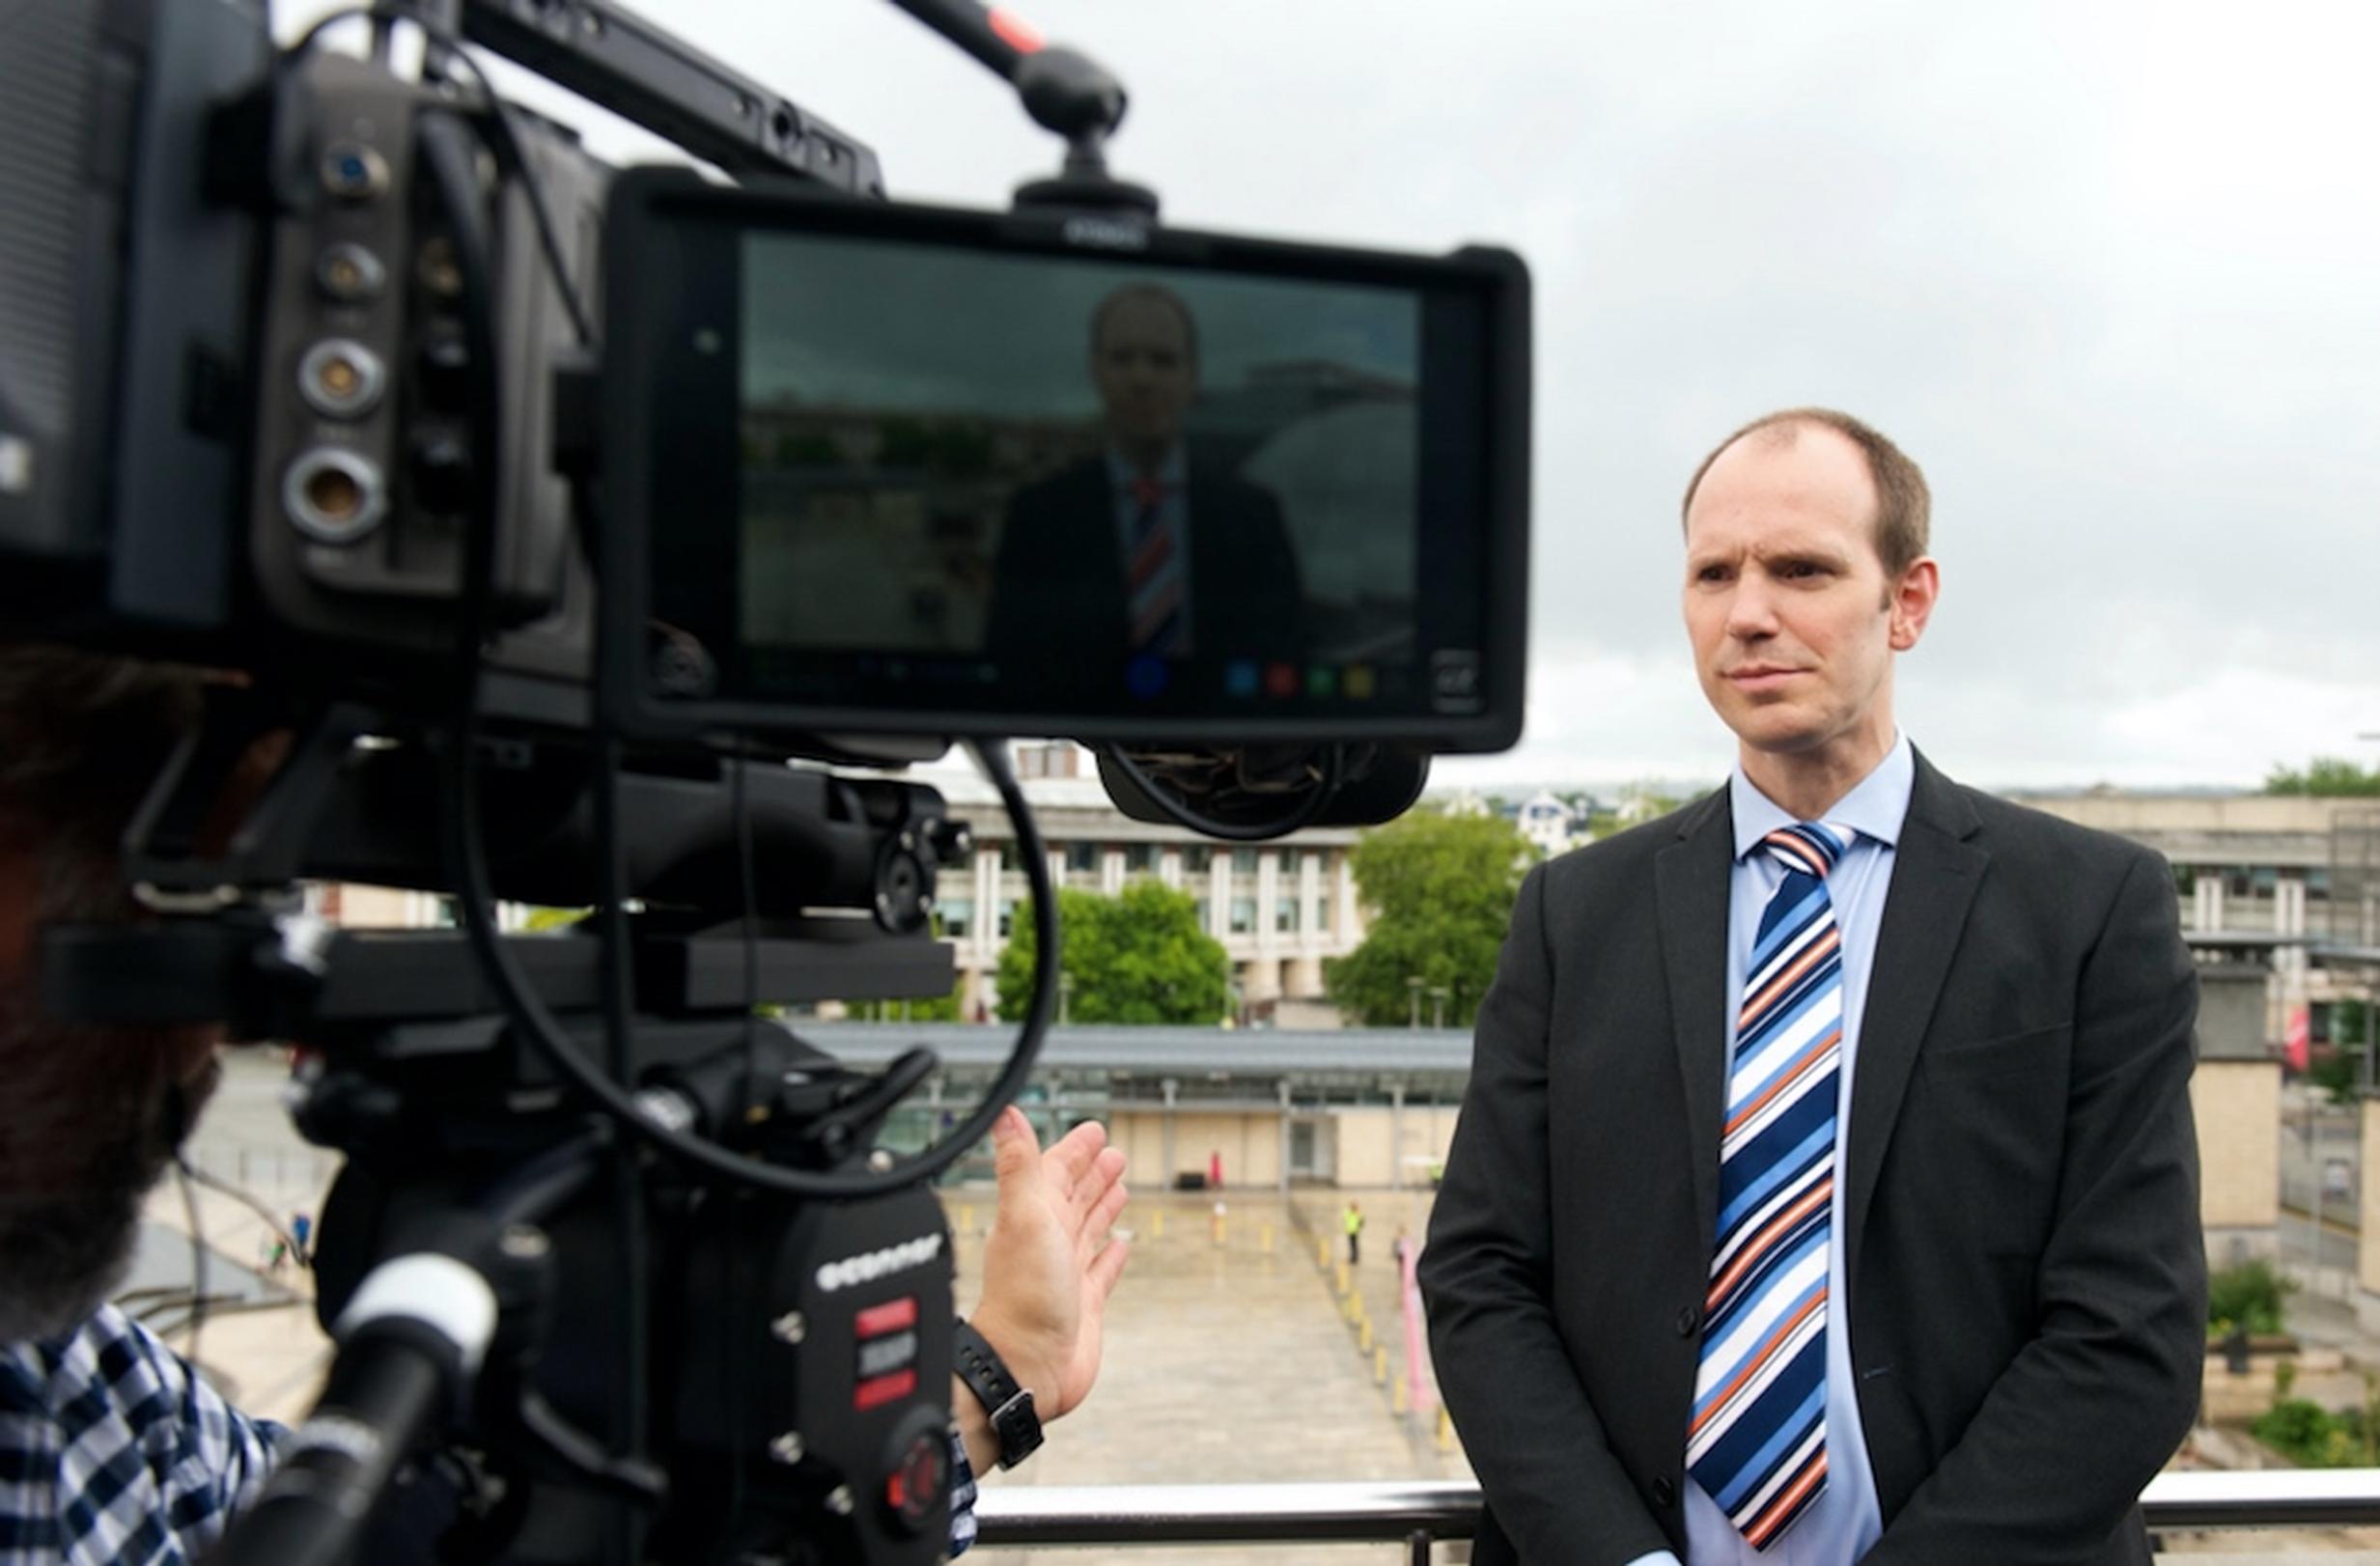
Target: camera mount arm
(1064, 90)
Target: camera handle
(1064, 90)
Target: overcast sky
(2111, 273)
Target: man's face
(1144, 370)
(1793, 621)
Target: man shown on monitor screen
(1145, 550)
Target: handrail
(1353, 1513)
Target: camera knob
(444, 363)
(441, 472)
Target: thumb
(1015, 1153)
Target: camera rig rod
(1064, 90)
(610, 55)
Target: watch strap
(1010, 1405)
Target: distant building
(1280, 909)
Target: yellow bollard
(1363, 1338)
(966, 1219)
(1445, 1430)
(1267, 1232)
(1401, 1400)
(1322, 1254)
(1157, 1223)
(1379, 1367)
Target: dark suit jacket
(1058, 583)
(2027, 1278)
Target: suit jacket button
(1665, 1494)
(1688, 1319)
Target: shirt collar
(1172, 473)
(1875, 807)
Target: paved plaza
(1234, 1355)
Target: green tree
(1138, 956)
(2325, 777)
(2339, 1071)
(1440, 889)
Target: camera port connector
(334, 496)
(341, 378)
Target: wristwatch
(1011, 1407)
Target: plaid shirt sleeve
(962, 1497)
(114, 1453)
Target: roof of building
(1189, 1051)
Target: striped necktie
(1757, 1443)
(1153, 574)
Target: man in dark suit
(1826, 1187)
(1146, 549)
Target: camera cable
(1325, 788)
(465, 842)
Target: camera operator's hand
(1049, 1268)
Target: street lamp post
(1415, 982)
(1438, 999)
(1066, 996)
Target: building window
(1197, 859)
(958, 916)
(1322, 915)
(1206, 913)
(2318, 885)
(1008, 856)
(2250, 880)
(1008, 916)
(1243, 915)
(1082, 858)
(1140, 858)
(1243, 861)
(1291, 858)
(1285, 916)
(2185, 880)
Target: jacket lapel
(1691, 879)
(1936, 871)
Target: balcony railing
(1417, 1515)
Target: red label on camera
(892, 1316)
(875, 1393)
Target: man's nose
(1751, 610)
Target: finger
(1100, 1278)
(1015, 1155)
(1102, 1217)
(1092, 1188)
(1074, 1154)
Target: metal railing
(1419, 1514)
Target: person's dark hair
(1144, 293)
(1904, 506)
(82, 737)
(92, 1113)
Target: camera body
(299, 379)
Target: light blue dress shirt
(1845, 1521)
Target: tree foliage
(1138, 957)
(1440, 889)
(2325, 777)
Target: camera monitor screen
(915, 469)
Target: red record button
(892, 1316)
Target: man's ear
(1912, 603)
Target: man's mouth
(1759, 675)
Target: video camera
(358, 384)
